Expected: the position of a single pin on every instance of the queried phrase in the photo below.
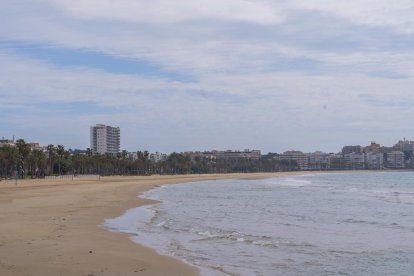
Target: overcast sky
(180, 75)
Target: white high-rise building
(105, 139)
(375, 160)
(318, 160)
(395, 160)
(354, 161)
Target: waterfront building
(351, 149)
(105, 139)
(318, 160)
(225, 154)
(299, 157)
(374, 147)
(336, 162)
(395, 160)
(404, 145)
(354, 161)
(374, 160)
(229, 154)
(386, 150)
(194, 155)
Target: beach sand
(52, 227)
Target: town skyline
(4, 140)
(21, 159)
(154, 145)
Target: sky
(181, 75)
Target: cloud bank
(186, 75)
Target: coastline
(52, 227)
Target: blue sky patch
(67, 57)
(78, 108)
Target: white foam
(295, 182)
(127, 222)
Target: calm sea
(322, 224)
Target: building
(318, 160)
(36, 146)
(225, 154)
(6, 142)
(194, 155)
(299, 157)
(228, 154)
(395, 160)
(386, 150)
(105, 139)
(12, 143)
(133, 156)
(374, 147)
(374, 160)
(404, 145)
(351, 149)
(336, 162)
(354, 161)
(158, 157)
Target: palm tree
(37, 163)
(9, 159)
(60, 150)
(51, 153)
(23, 150)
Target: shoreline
(53, 227)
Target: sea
(316, 224)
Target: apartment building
(373, 147)
(374, 160)
(318, 160)
(299, 157)
(105, 139)
(225, 154)
(354, 161)
(404, 145)
(7, 142)
(158, 157)
(395, 160)
(351, 149)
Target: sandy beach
(52, 227)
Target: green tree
(9, 159)
(51, 152)
(60, 150)
(37, 163)
(24, 151)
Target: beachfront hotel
(105, 139)
(299, 157)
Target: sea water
(322, 224)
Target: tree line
(24, 162)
